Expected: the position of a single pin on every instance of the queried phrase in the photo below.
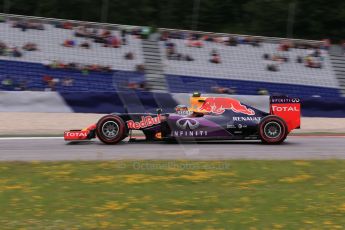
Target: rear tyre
(272, 130)
(111, 129)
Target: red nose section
(218, 105)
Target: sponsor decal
(191, 133)
(285, 108)
(255, 119)
(76, 134)
(230, 126)
(218, 105)
(188, 126)
(240, 126)
(146, 121)
(285, 100)
(189, 123)
(158, 135)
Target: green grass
(173, 195)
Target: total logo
(146, 121)
(76, 134)
(285, 108)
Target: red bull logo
(218, 105)
(144, 123)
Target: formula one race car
(269, 119)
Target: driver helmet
(181, 109)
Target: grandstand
(51, 54)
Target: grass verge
(173, 195)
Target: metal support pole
(195, 18)
(290, 20)
(104, 12)
(6, 6)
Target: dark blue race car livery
(231, 117)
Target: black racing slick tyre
(273, 130)
(111, 129)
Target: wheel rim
(272, 129)
(110, 129)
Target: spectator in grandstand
(64, 25)
(137, 85)
(223, 90)
(67, 82)
(272, 65)
(97, 68)
(140, 68)
(313, 62)
(326, 44)
(187, 57)
(279, 57)
(137, 32)
(164, 36)
(105, 33)
(129, 56)
(115, 42)
(124, 36)
(82, 31)
(215, 57)
(314, 58)
(30, 46)
(194, 42)
(36, 25)
(299, 59)
(255, 42)
(85, 45)
(69, 43)
(262, 91)
(15, 52)
(285, 45)
(112, 41)
(48, 82)
(170, 49)
(24, 25)
(266, 56)
(3, 48)
(22, 85)
(232, 41)
(7, 83)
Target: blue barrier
(138, 102)
(319, 107)
(120, 102)
(185, 84)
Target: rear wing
(289, 109)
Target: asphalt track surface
(56, 149)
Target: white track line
(29, 138)
(61, 138)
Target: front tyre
(272, 130)
(111, 129)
